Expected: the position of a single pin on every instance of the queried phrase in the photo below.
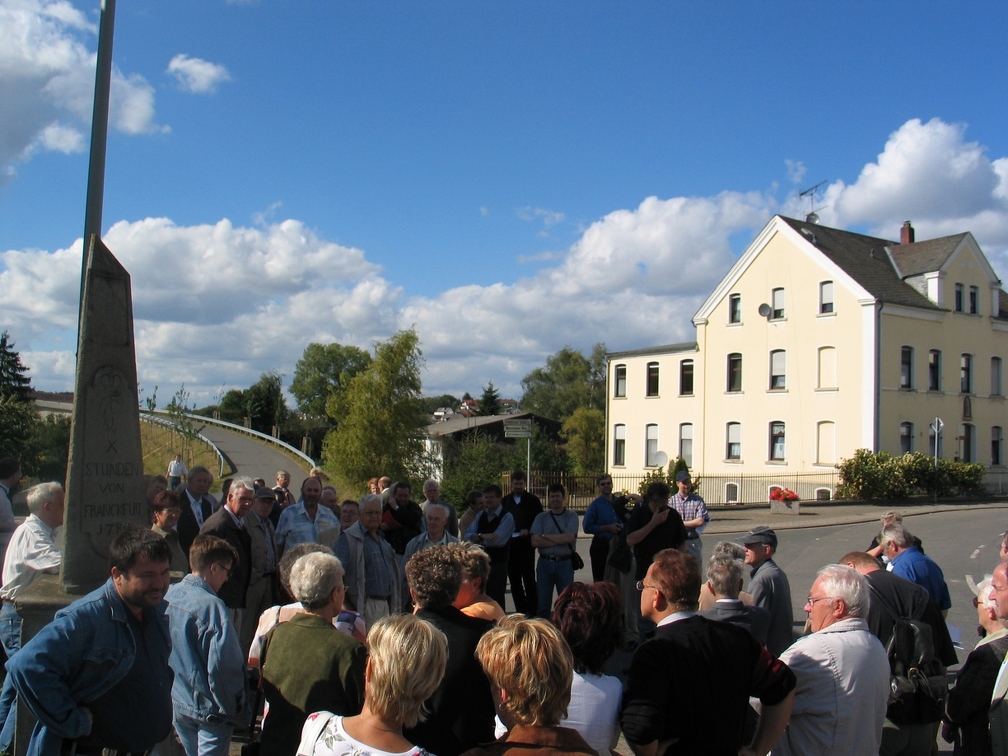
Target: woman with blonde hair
(530, 667)
(405, 667)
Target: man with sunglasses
(210, 695)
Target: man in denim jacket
(210, 693)
(97, 676)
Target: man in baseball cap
(693, 511)
(769, 586)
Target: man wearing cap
(261, 593)
(693, 511)
(769, 586)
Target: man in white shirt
(842, 670)
(176, 471)
(34, 549)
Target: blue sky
(509, 178)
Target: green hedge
(868, 475)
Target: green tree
(470, 464)
(322, 370)
(18, 423)
(14, 380)
(381, 417)
(568, 380)
(265, 403)
(490, 401)
(584, 432)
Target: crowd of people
(379, 626)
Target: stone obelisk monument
(105, 491)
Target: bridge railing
(225, 463)
(297, 453)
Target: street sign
(937, 425)
(518, 428)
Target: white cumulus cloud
(219, 304)
(197, 75)
(47, 73)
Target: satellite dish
(661, 459)
(764, 310)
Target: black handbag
(576, 561)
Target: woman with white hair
(407, 662)
(966, 723)
(307, 664)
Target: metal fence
(716, 490)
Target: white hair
(843, 582)
(242, 481)
(40, 494)
(314, 577)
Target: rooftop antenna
(811, 192)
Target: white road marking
(971, 584)
(974, 554)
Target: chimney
(907, 233)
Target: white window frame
(778, 370)
(826, 298)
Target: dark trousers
(521, 572)
(598, 553)
(496, 585)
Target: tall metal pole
(99, 133)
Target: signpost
(521, 428)
(936, 426)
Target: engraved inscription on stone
(112, 477)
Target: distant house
(457, 427)
(816, 343)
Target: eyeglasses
(641, 586)
(976, 602)
(228, 570)
(812, 601)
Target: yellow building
(816, 343)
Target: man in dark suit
(228, 523)
(724, 578)
(197, 505)
(523, 506)
(688, 688)
(461, 711)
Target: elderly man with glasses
(842, 670)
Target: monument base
(36, 606)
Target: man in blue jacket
(210, 693)
(97, 676)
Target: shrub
(869, 475)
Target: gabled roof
(866, 260)
(925, 256)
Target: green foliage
(470, 464)
(584, 432)
(49, 449)
(490, 401)
(568, 380)
(14, 380)
(867, 475)
(323, 370)
(381, 417)
(263, 403)
(18, 422)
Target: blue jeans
(10, 629)
(549, 574)
(203, 738)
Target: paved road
(253, 457)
